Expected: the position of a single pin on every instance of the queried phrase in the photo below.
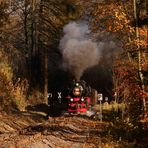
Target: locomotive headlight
(82, 99)
(71, 99)
(77, 84)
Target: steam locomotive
(79, 100)
(76, 98)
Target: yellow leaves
(115, 19)
(121, 17)
(6, 71)
(142, 43)
(20, 89)
(8, 91)
(131, 29)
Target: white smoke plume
(79, 51)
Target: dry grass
(110, 107)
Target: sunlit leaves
(112, 17)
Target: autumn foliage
(130, 68)
(128, 88)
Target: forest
(44, 44)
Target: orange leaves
(143, 37)
(120, 15)
(121, 21)
(141, 43)
(143, 31)
(116, 18)
(113, 16)
(127, 84)
(144, 62)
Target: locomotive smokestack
(79, 51)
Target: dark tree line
(30, 31)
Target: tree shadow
(52, 111)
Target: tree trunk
(25, 27)
(33, 28)
(46, 77)
(139, 54)
(45, 54)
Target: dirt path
(31, 130)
